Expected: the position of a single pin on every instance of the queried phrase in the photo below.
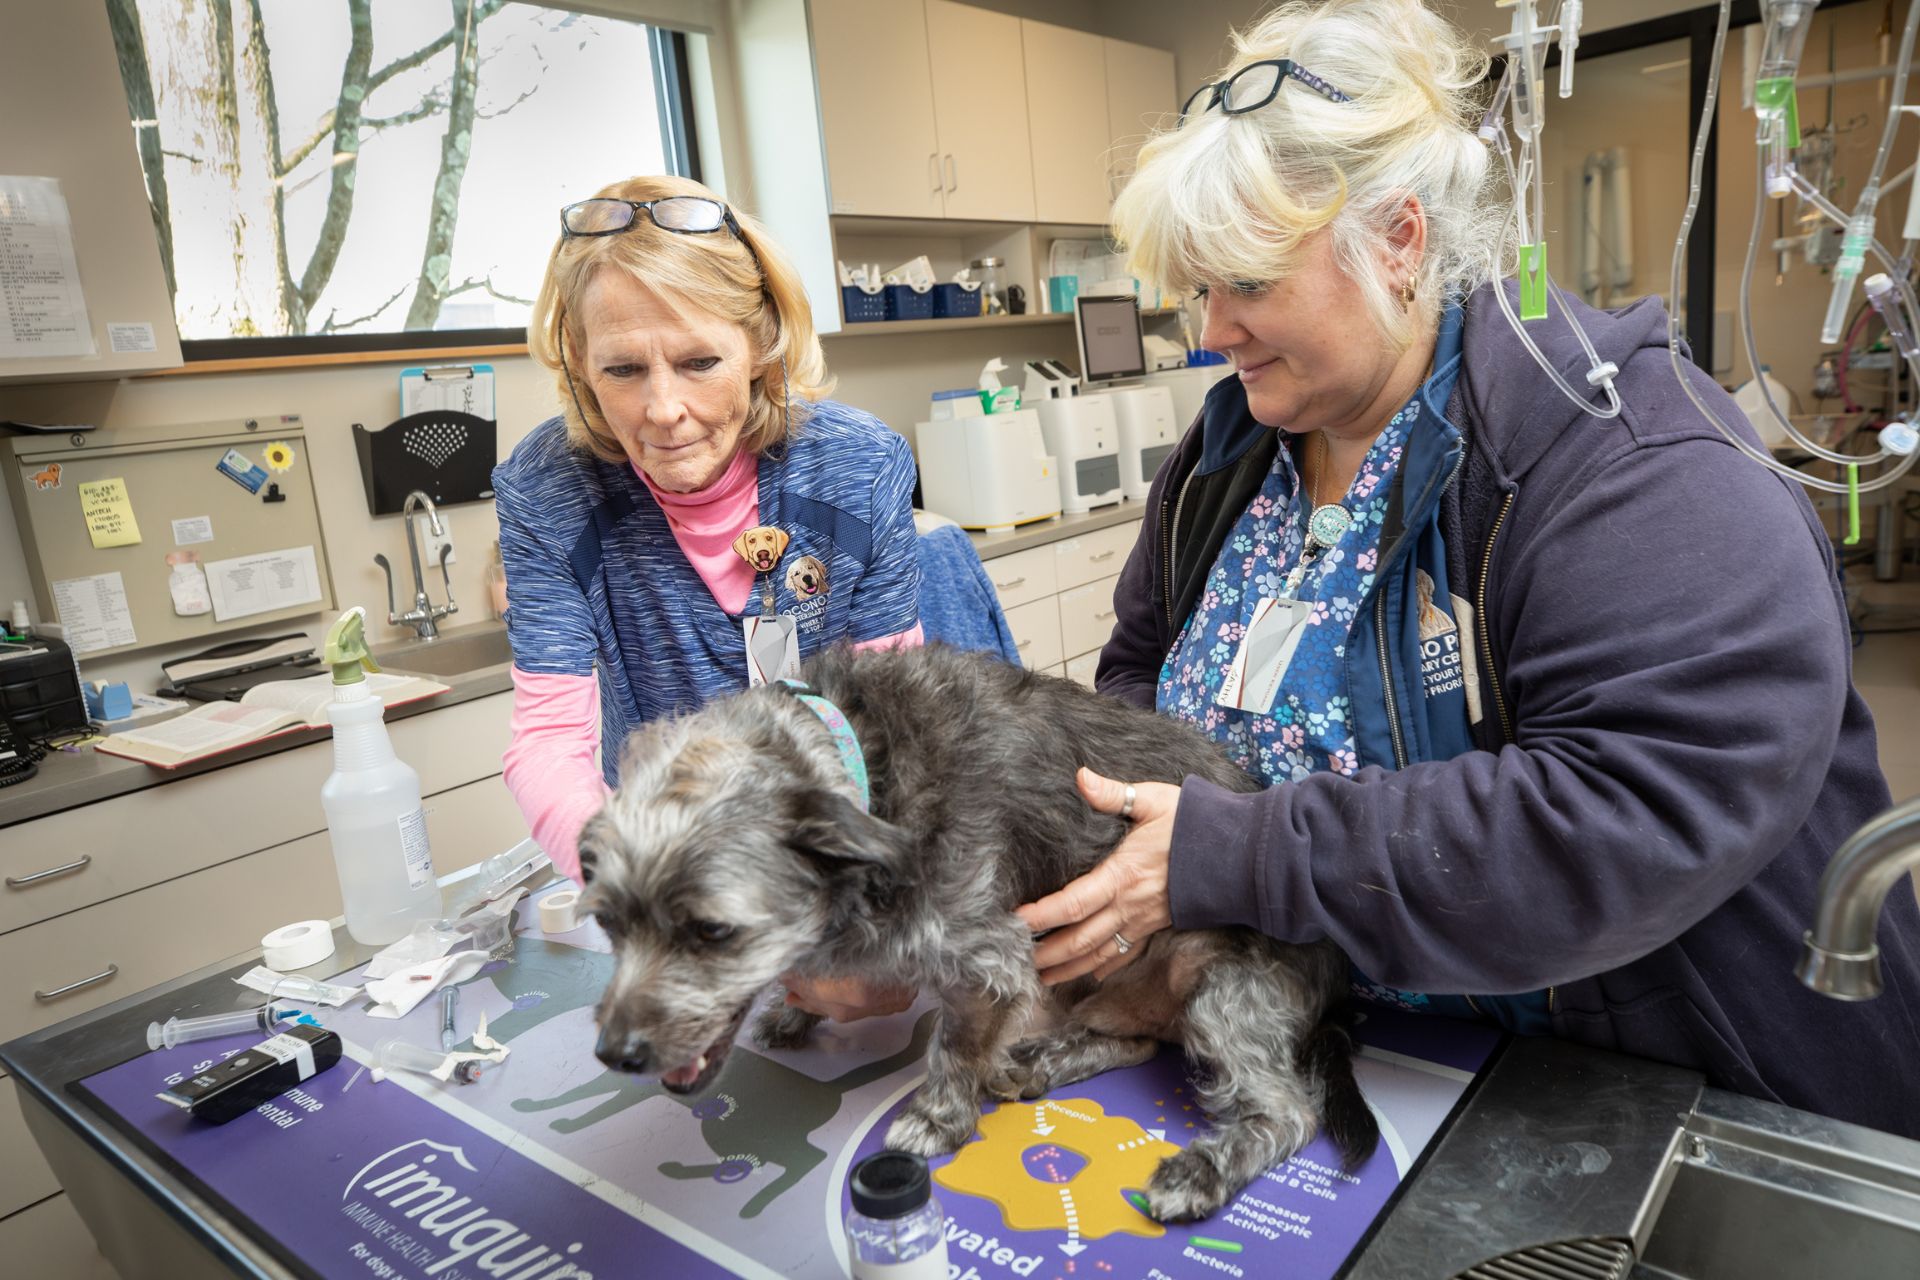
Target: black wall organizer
(446, 454)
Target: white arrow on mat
(1073, 1246)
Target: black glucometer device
(244, 1081)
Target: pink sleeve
(899, 640)
(549, 764)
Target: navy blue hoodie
(1670, 744)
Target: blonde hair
(712, 272)
(1219, 198)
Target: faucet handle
(393, 615)
(446, 577)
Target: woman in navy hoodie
(1557, 712)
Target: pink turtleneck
(549, 764)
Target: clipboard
(465, 388)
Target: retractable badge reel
(773, 644)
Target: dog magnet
(1254, 676)
(773, 649)
(761, 547)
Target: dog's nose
(623, 1050)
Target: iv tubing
(1759, 455)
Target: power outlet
(430, 542)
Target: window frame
(673, 94)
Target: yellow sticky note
(109, 513)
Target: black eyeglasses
(1254, 86)
(683, 215)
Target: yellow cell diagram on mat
(1062, 1165)
(109, 513)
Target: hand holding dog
(1126, 894)
(846, 999)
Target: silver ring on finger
(1122, 944)
(1126, 812)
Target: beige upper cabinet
(1140, 99)
(980, 111)
(1067, 121)
(66, 118)
(876, 108)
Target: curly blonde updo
(713, 273)
(1221, 198)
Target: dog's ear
(740, 543)
(835, 834)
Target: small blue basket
(956, 300)
(861, 306)
(904, 303)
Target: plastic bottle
(896, 1230)
(372, 800)
(1754, 405)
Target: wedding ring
(1126, 811)
(1122, 943)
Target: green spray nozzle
(347, 651)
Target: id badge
(773, 648)
(1254, 676)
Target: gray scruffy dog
(733, 852)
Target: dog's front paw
(1187, 1187)
(932, 1131)
(1030, 1068)
(782, 1026)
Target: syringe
(174, 1031)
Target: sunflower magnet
(278, 456)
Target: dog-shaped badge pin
(761, 547)
(807, 578)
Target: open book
(266, 711)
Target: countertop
(1059, 528)
(69, 779)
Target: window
(365, 174)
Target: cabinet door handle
(953, 173)
(1008, 586)
(1102, 617)
(1104, 555)
(21, 882)
(44, 996)
(933, 167)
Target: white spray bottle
(372, 800)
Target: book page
(209, 728)
(308, 698)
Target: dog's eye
(712, 930)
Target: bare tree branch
(486, 283)
(443, 213)
(331, 326)
(324, 126)
(432, 105)
(346, 142)
(130, 46)
(259, 68)
(494, 115)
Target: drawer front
(24, 1175)
(161, 932)
(1094, 555)
(1082, 668)
(1023, 576)
(100, 851)
(1086, 617)
(51, 1240)
(1036, 630)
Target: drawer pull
(21, 882)
(1104, 555)
(44, 996)
(1024, 643)
(1008, 586)
(1102, 617)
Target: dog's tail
(1326, 1058)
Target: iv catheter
(1778, 123)
(1522, 88)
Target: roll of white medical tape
(295, 946)
(556, 912)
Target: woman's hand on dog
(846, 999)
(1125, 895)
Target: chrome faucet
(425, 613)
(1840, 957)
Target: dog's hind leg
(1239, 1025)
(1072, 1054)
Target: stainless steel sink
(1758, 1191)
(457, 651)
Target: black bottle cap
(890, 1184)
